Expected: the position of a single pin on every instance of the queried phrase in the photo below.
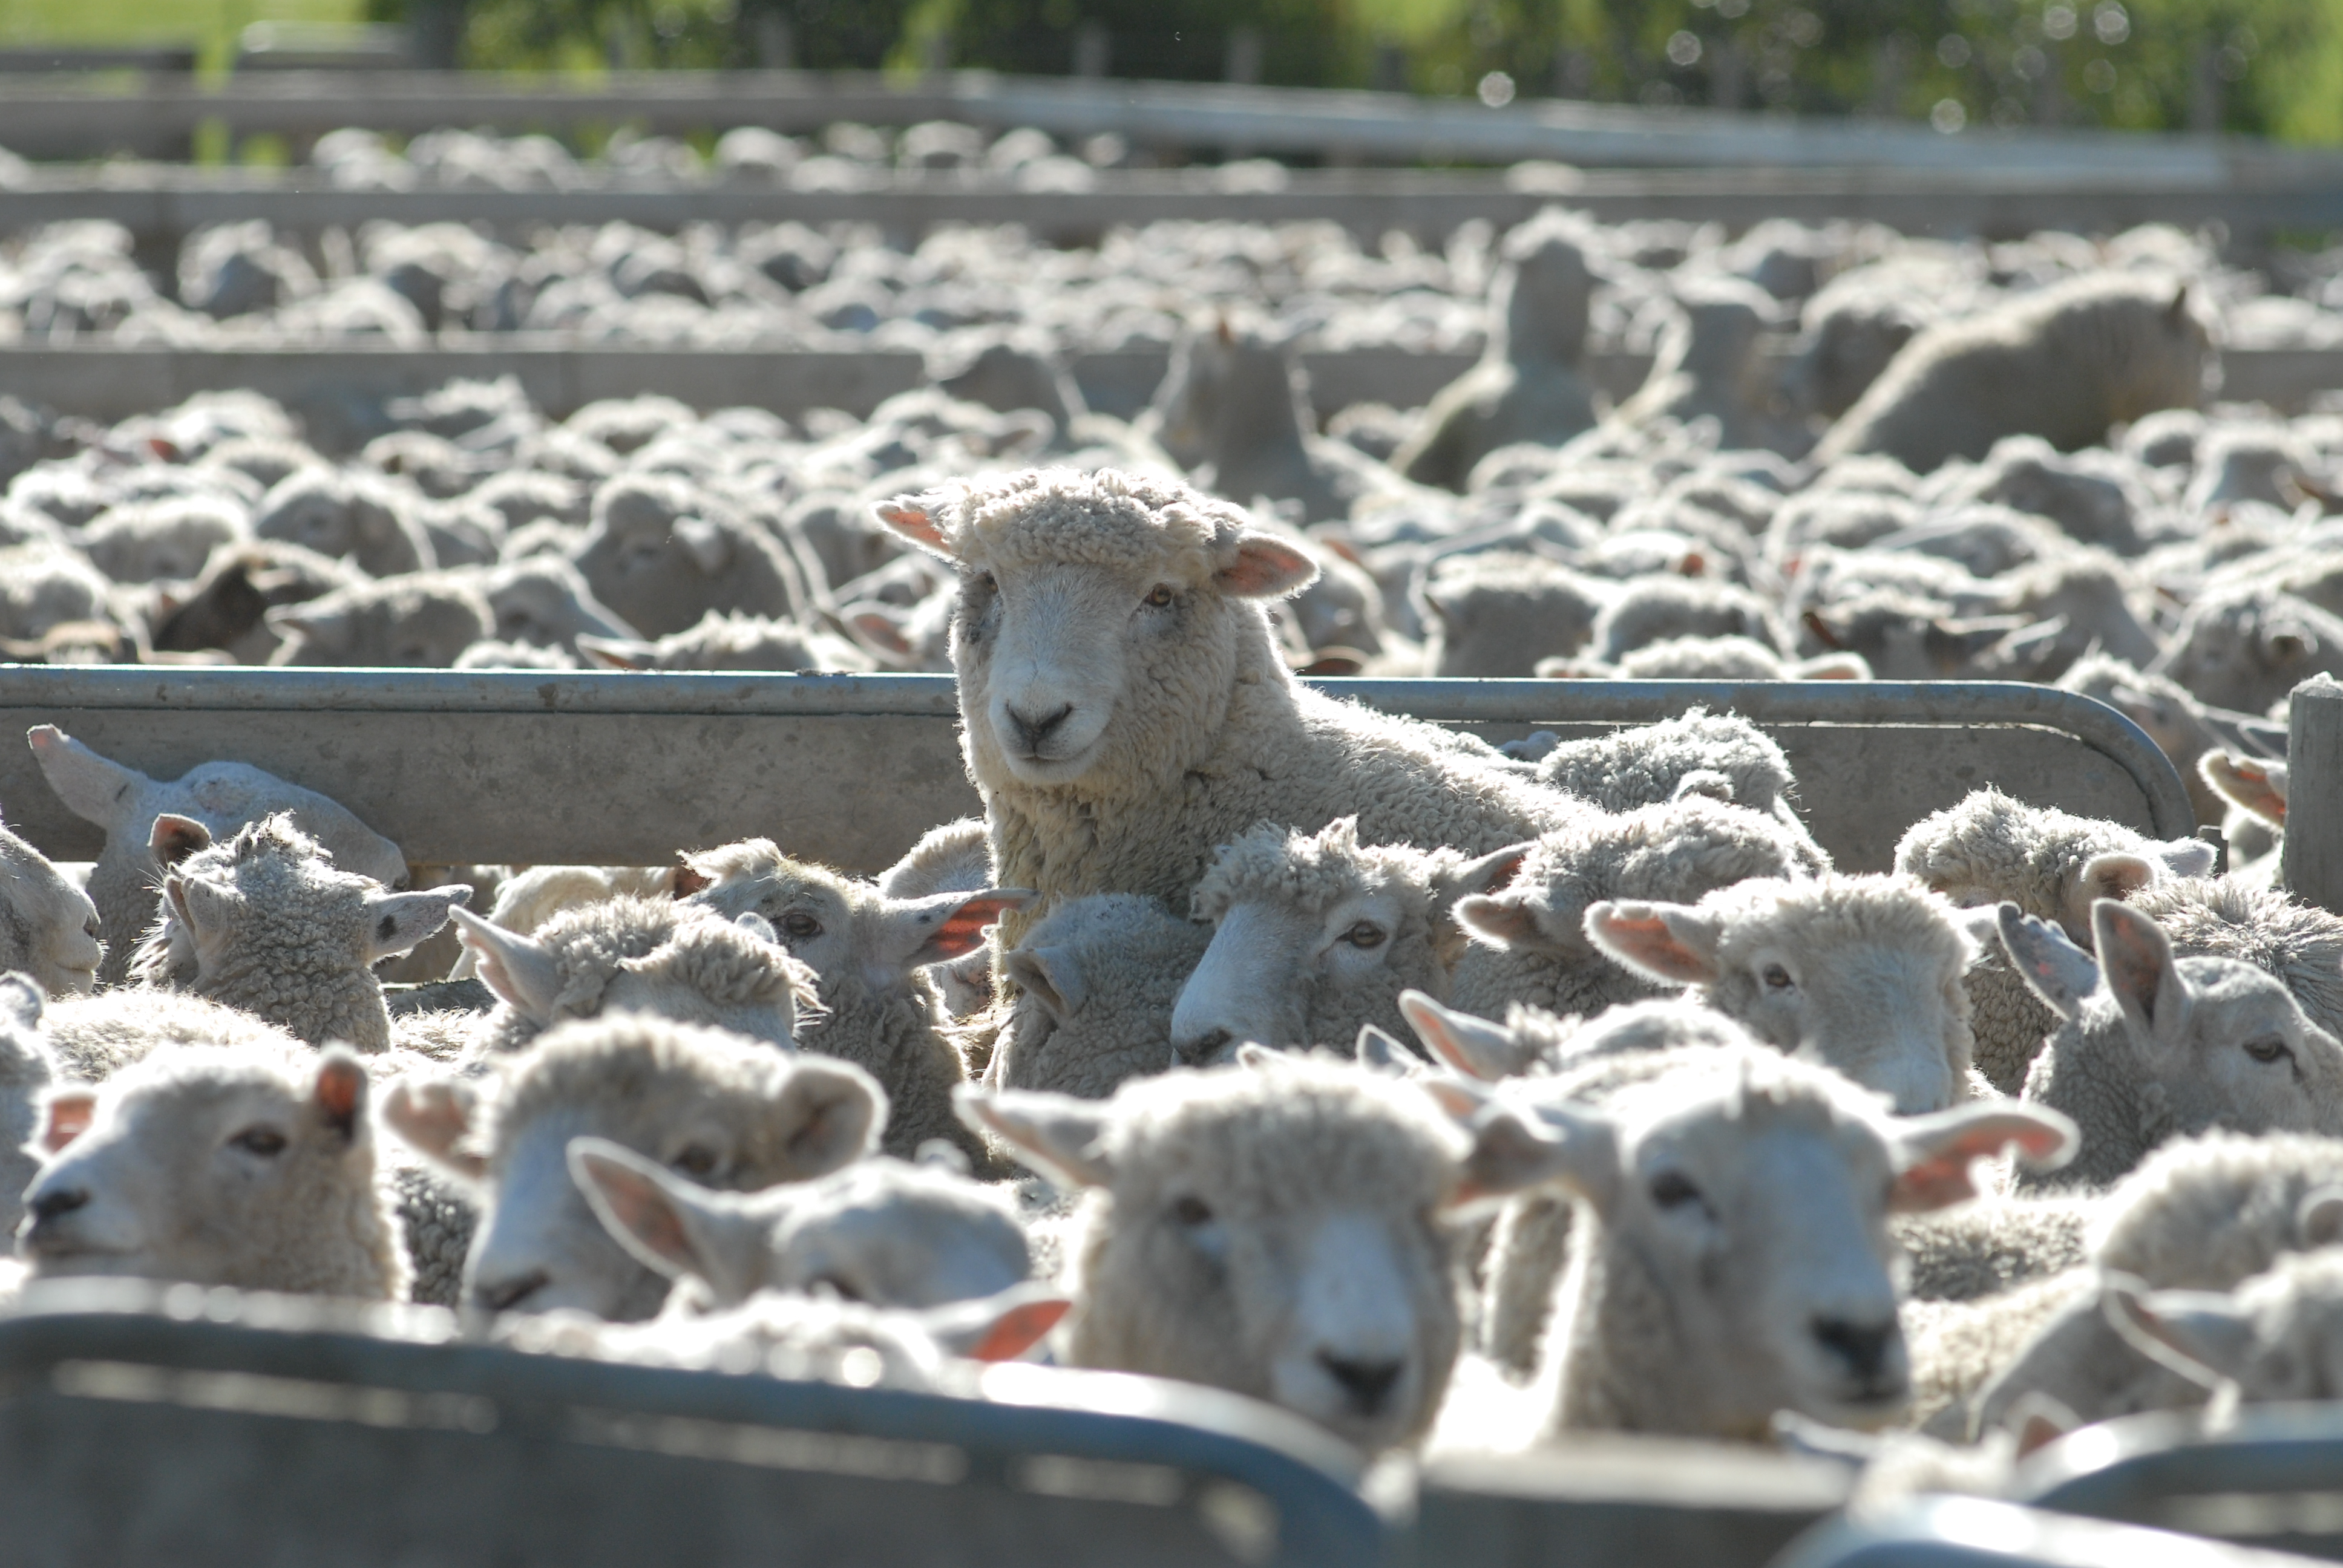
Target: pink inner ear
(640, 1206)
(1018, 1329)
(1497, 920)
(913, 524)
(690, 880)
(1938, 1182)
(338, 1083)
(1265, 567)
(68, 1117)
(1501, 874)
(964, 932)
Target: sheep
(1650, 765)
(724, 641)
(2064, 363)
(421, 620)
(661, 552)
(92, 1038)
(45, 583)
(48, 927)
(346, 516)
(1314, 936)
(1529, 385)
(222, 796)
(1991, 849)
(630, 954)
(1280, 1228)
(2222, 916)
(2245, 647)
(724, 1109)
(526, 900)
(227, 605)
(1496, 614)
(1124, 710)
(1708, 659)
(1096, 978)
(2275, 1337)
(1859, 973)
(28, 1068)
(2181, 726)
(2154, 1045)
(1649, 610)
(142, 542)
(867, 952)
(1729, 1251)
(216, 1166)
(266, 923)
(1528, 941)
(2092, 501)
(1708, 367)
(952, 858)
(1903, 636)
(2256, 790)
(543, 600)
(880, 1231)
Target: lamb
(1281, 1228)
(266, 923)
(1729, 1248)
(1708, 659)
(227, 605)
(26, 1070)
(92, 1038)
(217, 1166)
(2274, 1337)
(1859, 973)
(543, 600)
(2064, 363)
(1650, 765)
(1315, 935)
(1529, 385)
(867, 952)
(45, 583)
(661, 553)
(348, 517)
(2154, 1045)
(726, 1111)
(169, 537)
(626, 954)
(722, 641)
(1125, 709)
(48, 927)
(2223, 916)
(2246, 647)
(222, 796)
(2181, 727)
(879, 1230)
(1096, 978)
(1991, 849)
(1528, 941)
(1497, 613)
(1655, 609)
(421, 620)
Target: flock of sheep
(1446, 1095)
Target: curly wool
(1648, 765)
(435, 1222)
(2202, 1213)
(2219, 917)
(95, 1037)
(1983, 1248)
(296, 950)
(1959, 1347)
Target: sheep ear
(828, 1114)
(93, 787)
(1501, 923)
(879, 628)
(2052, 966)
(1937, 1152)
(1472, 1046)
(1056, 1134)
(938, 929)
(617, 652)
(1377, 1050)
(2318, 1219)
(2136, 960)
(517, 967)
(1823, 630)
(2178, 311)
(2116, 876)
(672, 1227)
(2038, 1421)
(2246, 783)
(1051, 976)
(1673, 943)
(1572, 1146)
(339, 1091)
(1492, 873)
(174, 837)
(325, 626)
(65, 1115)
(2195, 857)
(911, 517)
(1265, 567)
(397, 922)
(688, 878)
(997, 1328)
(21, 1002)
(2203, 1335)
(1253, 1053)
(435, 1116)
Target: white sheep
(48, 927)
(418, 621)
(726, 1111)
(1097, 979)
(26, 1070)
(662, 551)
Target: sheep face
(1991, 849)
(2244, 649)
(544, 602)
(879, 1232)
(26, 1068)
(714, 1107)
(340, 518)
(412, 622)
(1278, 1228)
(48, 927)
(1739, 1209)
(660, 553)
(216, 1166)
(1862, 974)
(1097, 979)
(1315, 936)
(1100, 618)
(2278, 1336)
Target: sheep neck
(321, 1004)
(894, 1033)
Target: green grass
(211, 25)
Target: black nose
(57, 1202)
(1205, 1046)
(504, 1295)
(1368, 1383)
(1862, 1346)
(1034, 732)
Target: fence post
(2314, 810)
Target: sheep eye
(1161, 598)
(1191, 1211)
(265, 1141)
(2268, 1050)
(1366, 934)
(799, 926)
(695, 1160)
(1775, 977)
(1673, 1190)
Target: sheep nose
(1862, 1346)
(504, 1295)
(1197, 1049)
(1368, 1383)
(58, 1202)
(1033, 731)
